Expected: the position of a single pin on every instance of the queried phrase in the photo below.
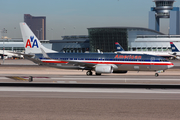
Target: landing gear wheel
(98, 73)
(156, 74)
(88, 73)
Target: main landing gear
(98, 73)
(90, 73)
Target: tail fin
(173, 47)
(31, 43)
(118, 47)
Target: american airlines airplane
(98, 62)
(119, 49)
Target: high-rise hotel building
(37, 24)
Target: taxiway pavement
(21, 73)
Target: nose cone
(170, 65)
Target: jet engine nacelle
(103, 69)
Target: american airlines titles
(128, 57)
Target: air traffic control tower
(165, 9)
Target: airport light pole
(64, 31)
(38, 33)
(74, 30)
(52, 34)
(14, 32)
(3, 32)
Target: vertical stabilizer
(31, 43)
(118, 47)
(173, 47)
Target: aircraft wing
(83, 64)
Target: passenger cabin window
(163, 60)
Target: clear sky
(73, 17)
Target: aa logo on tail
(33, 41)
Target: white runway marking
(3, 78)
(99, 79)
(66, 82)
(89, 90)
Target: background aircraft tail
(173, 47)
(118, 47)
(31, 43)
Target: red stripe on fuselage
(54, 61)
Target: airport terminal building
(154, 42)
(104, 38)
(71, 44)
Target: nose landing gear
(156, 74)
